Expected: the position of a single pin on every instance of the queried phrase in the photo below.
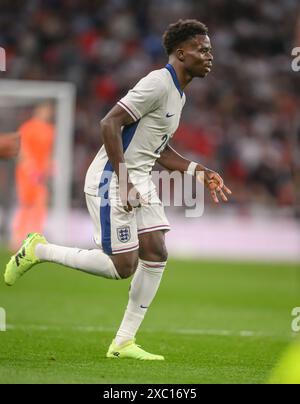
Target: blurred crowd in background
(242, 120)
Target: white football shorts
(116, 231)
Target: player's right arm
(111, 128)
(9, 145)
(143, 98)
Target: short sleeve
(144, 98)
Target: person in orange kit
(33, 170)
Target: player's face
(198, 56)
(45, 112)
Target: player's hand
(130, 197)
(214, 182)
(9, 145)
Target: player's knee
(126, 273)
(127, 270)
(163, 254)
(153, 247)
(126, 266)
(158, 254)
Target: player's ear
(180, 54)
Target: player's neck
(183, 77)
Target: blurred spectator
(32, 172)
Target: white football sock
(94, 262)
(143, 289)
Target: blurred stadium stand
(242, 120)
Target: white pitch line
(233, 333)
(184, 331)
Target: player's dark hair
(181, 31)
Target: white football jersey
(155, 104)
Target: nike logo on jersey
(169, 115)
(143, 307)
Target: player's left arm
(173, 161)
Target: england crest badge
(123, 234)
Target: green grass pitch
(215, 322)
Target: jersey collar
(174, 77)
